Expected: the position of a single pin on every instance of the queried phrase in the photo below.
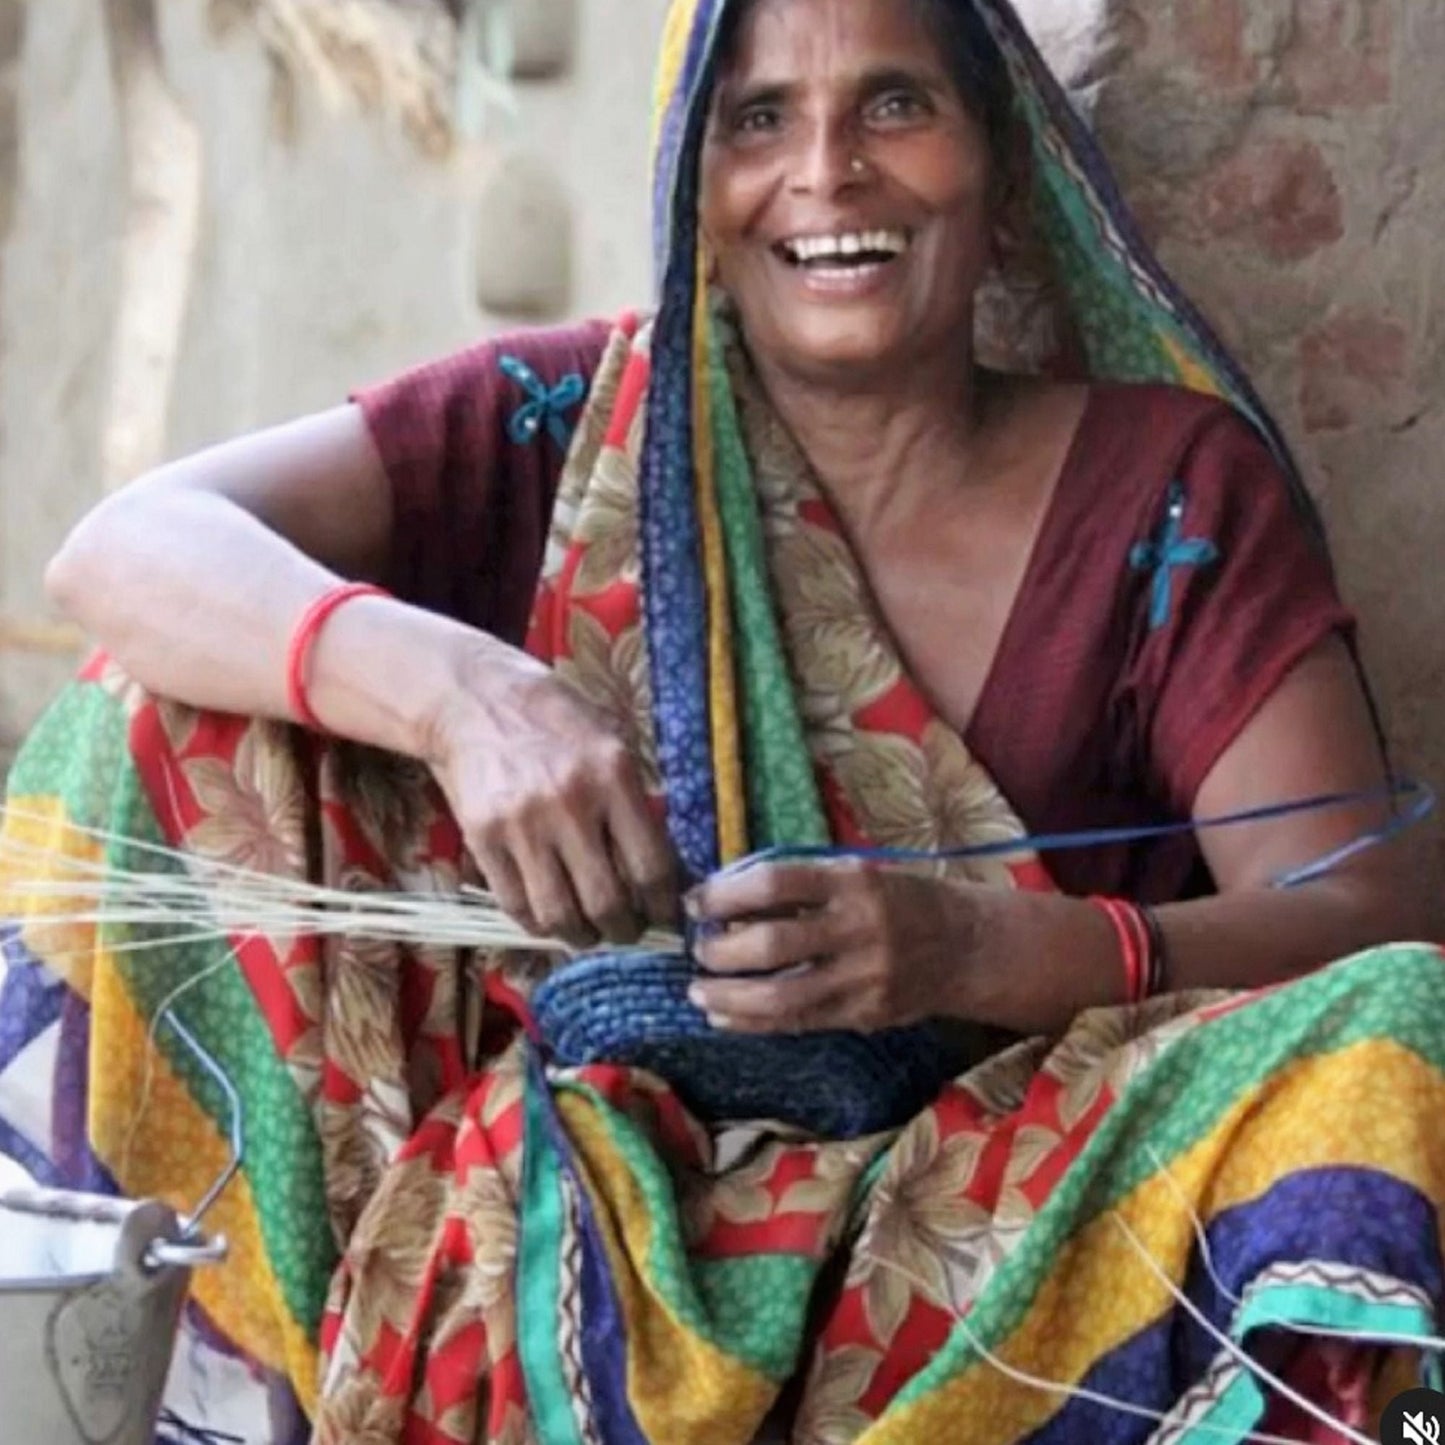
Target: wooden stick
(55, 639)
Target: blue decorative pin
(545, 406)
(1170, 550)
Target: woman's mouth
(844, 265)
(844, 254)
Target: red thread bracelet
(1133, 936)
(303, 639)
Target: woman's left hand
(847, 946)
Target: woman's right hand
(164, 575)
(551, 804)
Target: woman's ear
(1014, 233)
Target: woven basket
(633, 1009)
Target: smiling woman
(1024, 1146)
(854, 157)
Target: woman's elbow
(77, 574)
(66, 574)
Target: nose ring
(857, 165)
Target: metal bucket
(91, 1291)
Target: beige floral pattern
(1106, 1049)
(607, 525)
(831, 1413)
(359, 1414)
(611, 673)
(488, 1205)
(254, 806)
(392, 1248)
(923, 1233)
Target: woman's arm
(895, 949)
(193, 579)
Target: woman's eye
(757, 120)
(898, 105)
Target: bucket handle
(189, 1248)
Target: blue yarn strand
(1422, 803)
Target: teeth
(848, 244)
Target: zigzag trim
(569, 1325)
(1196, 1404)
(1365, 1284)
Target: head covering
(1132, 322)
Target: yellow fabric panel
(1191, 373)
(671, 60)
(1100, 1292)
(679, 1386)
(158, 1143)
(732, 819)
(40, 841)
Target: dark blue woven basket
(633, 1009)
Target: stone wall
(1284, 156)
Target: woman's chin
(858, 348)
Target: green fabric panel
(758, 1307)
(74, 753)
(539, 1283)
(79, 754)
(1393, 993)
(1332, 1309)
(784, 803)
(704, 1299)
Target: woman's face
(845, 188)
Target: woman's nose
(827, 160)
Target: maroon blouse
(1113, 691)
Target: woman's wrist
(480, 678)
(388, 674)
(1032, 962)
(981, 933)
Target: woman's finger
(648, 862)
(550, 898)
(802, 1002)
(772, 944)
(764, 889)
(501, 878)
(602, 893)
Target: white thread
(1076, 1392)
(148, 1074)
(232, 899)
(1432, 1343)
(1240, 1355)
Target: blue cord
(1422, 804)
(181, 1432)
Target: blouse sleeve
(1234, 591)
(473, 446)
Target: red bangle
(1134, 945)
(303, 639)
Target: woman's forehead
(777, 39)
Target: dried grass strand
(234, 900)
(387, 57)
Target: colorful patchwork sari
(438, 1235)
